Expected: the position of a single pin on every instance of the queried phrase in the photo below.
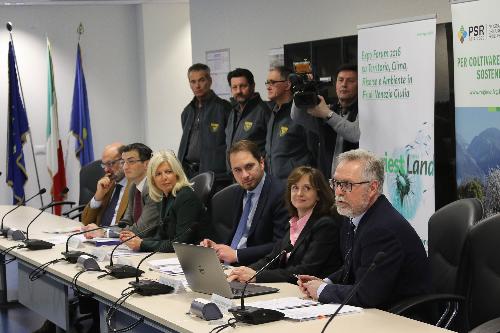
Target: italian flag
(55, 160)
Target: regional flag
(55, 160)
(80, 119)
(17, 128)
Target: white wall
(251, 28)
(166, 37)
(111, 65)
(136, 56)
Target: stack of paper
(168, 266)
(103, 241)
(317, 311)
(303, 309)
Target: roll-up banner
(396, 69)
(476, 52)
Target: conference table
(50, 296)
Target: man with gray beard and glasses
(374, 226)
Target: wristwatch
(329, 116)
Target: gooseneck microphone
(3, 230)
(253, 315)
(150, 287)
(38, 244)
(376, 260)
(126, 271)
(72, 256)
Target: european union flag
(17, 129)
(80, 119)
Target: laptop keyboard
(252, 289)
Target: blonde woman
(180, 208)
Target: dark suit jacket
(94, 215)
(403, 272)
(179, 214)
(268, 223)
(150, 215)
(316, 252)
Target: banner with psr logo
(476, 52)
(396, 75)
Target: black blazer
(403, 272)
(268, 224)
(178, 215)
(316, 252)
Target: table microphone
(150, 287)
(72, 256)
(125, 271)
(376, 260)
(3, 231)
(38, 244)
(253, 315)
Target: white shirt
(94, 204)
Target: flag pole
(9, 28)
(80, 30)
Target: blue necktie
(242, 225)
(107, 217)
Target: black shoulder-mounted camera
(305, 87)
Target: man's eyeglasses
(272, 82)
(343, 185)
(109, 164)
(129, 162)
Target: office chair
(222, 216)
(448, 232)
(492, 326)
(483, 284)
(203, 184)
(89, 175)
(203, 187)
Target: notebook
(204, 273)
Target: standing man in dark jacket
(250, 114)
(288, 144)
(204, 119)
(338, 124)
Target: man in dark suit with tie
(262, 217)
(376, 227)
(142, 211)
(111, 198)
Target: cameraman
(337, 125)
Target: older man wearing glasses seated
(142, 211)
(376, 230)
(110, 201)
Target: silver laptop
(204, 273)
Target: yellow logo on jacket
(247, 125)
(214, 127)
(283, 130)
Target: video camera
(305, 87)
